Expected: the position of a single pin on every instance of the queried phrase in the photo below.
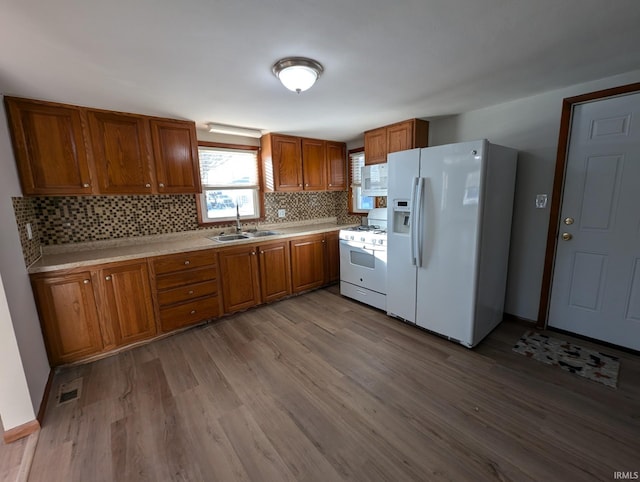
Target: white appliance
(363, 260)
(375, 180)
(449, 210)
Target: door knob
(568, 221)
(566, 236)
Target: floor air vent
(70, 391)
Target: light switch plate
(541, 201)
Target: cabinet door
(375, 146)
(332, 270)
(287, 163)
(69, 316)
(240, 279)
(121, 152)
(336, 166)
(175, 153)
(128, 303)
(307, 262)
(400, 136)
(314, 162)
(275, 271)
(50, 147)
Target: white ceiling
(385, 61)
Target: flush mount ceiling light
(297, 73)
(233, 130)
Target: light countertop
(87, 254)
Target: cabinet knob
(187, 262)
(323, 241)
(161, 184)
(147, 185)
(299, 185)
(86, 185)
(190, 292)
(253, 253)
(108, 278)
(193, 312)
(307, 185)
(261, 252)
(86, 281)
(330, 185)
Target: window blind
(228, 168)
(356, 161)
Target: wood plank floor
(318, 387)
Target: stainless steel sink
(258, 234)
(245, 235)
(229, 237)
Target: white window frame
(208, 187)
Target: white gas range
(363, 260)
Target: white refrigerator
(449, 223)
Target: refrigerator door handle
(420, 217)
(412, 218)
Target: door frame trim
(558, 187)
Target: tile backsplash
(75, 219)
(25, 212)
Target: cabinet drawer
(177, 262)
(186, 314)
(186, 277)
(188, 292)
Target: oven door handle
(358, 245)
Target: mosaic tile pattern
(24, 209)
(75, 219)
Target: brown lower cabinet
(315, 261)
(254, 274)
(185, 288)
(332, 273)
(86, 312)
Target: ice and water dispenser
(401, 216)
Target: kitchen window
(357, 202)
(230, 183)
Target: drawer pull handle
(187, 262)
(193, 312)
(161, 184)
(190, 292)
(86, 281)
(86, 185)
(108, 278)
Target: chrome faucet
(238, 225)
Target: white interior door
(596, 280)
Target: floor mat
(587, 363)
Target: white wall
(24, 317)
(531, 126)
(15, 403)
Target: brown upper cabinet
(49, 145)
(336, 166)
(68, 150)
(121, 152)
(175, 150)
(300, 164)
(393, 138)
